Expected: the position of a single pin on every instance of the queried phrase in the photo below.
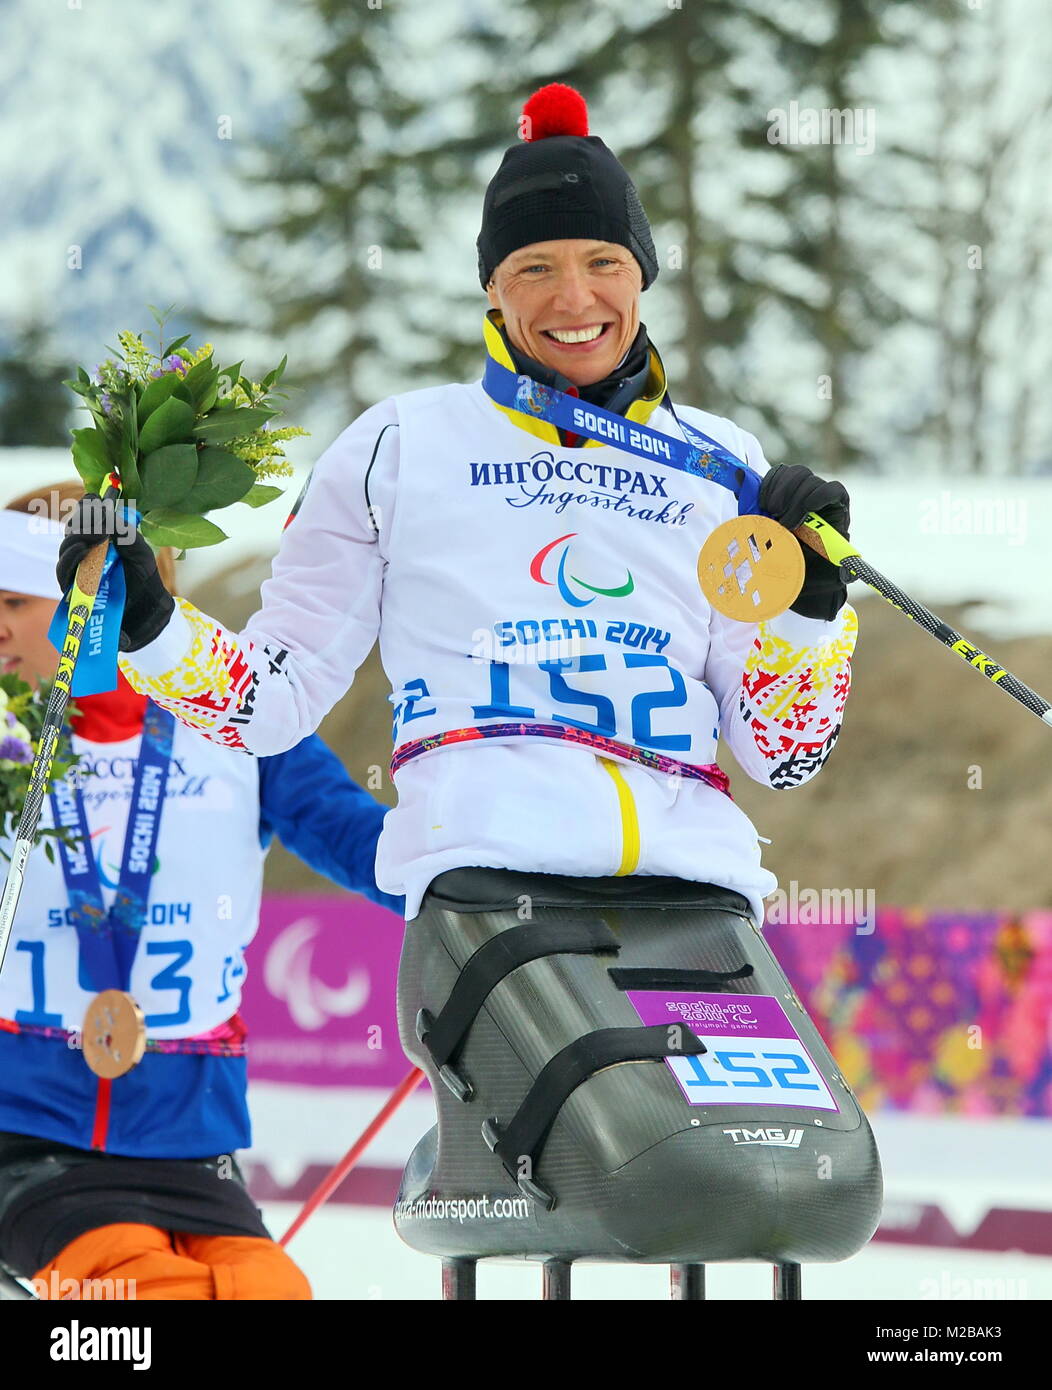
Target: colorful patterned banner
(932, 1012)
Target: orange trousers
(170, 1265)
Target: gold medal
(751, 568)
(114, 1034)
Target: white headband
(28, 553)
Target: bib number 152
(577, 708)
(753, 1071)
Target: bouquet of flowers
(183, 435)
(22, 713)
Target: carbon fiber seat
(622, 1073)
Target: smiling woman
(571, 304)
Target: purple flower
(174, 363)
(10, 719)
(13, 750)
(106, 401)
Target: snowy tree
(34, 405)
(130, 124)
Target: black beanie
(561, 182)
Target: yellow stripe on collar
(639, 411)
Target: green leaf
(159, 390)
(180, 530)
(93, 443)
(261, 493)
(229, 377)
(209, 395)
(222, 425)
(91, 458)
(174, 347)
(171, 423)
(168, 475)
(128, 446)
(276, 374)
(202, 382)
(128, 468)
(222, 478)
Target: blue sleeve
(324, 817)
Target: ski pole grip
(89, 571)
(823, 538)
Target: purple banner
(319, 999)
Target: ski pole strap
(698, 454)
(949, 637)
(445, 1035)
(519, 1145)
(682, 980)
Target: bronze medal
(751, 568)
(114, 1034)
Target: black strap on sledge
(675, 979)
(445, 1035)
(526, 1134)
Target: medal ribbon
(698, 454)
(109, 940)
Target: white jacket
(472, 543)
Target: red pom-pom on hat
(554, 110)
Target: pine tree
(343, 214)
(34, 405)
(680, 93)
(832, 210)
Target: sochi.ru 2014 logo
(564, 580)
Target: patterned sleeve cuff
(800, 632)
(167, 650)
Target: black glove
(148, 605)
(787, 493)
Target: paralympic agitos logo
(563, 579)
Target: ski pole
(332, 1180)
(830, 544)
(81, 602)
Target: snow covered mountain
(124, 127)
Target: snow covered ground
(966, 1169)
(354, 1253)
